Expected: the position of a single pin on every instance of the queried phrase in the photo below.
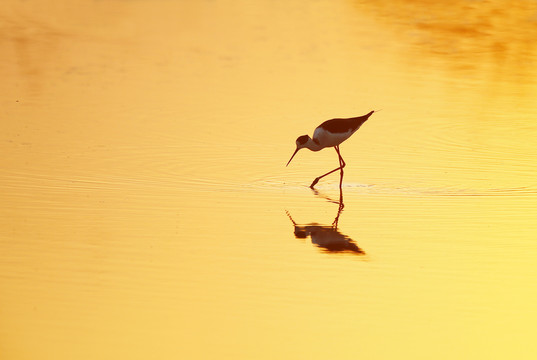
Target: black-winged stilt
(330, 133)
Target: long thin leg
(341, 166)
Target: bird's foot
(314, 182)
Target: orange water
(148, 213)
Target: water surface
(148, 213)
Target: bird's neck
(312, 145)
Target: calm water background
(145, 198)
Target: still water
(147, 211)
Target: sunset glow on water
(148, 212)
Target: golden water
(147, 212)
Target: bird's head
(301, 142)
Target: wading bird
(330, 133)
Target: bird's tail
(366, 116)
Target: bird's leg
(341, 161)
(341, 166)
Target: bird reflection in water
(327, 237)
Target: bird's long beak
(292, 156)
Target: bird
(331, 133)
